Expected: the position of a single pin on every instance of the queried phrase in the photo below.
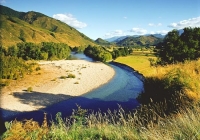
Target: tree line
(13, 64)
(179, 48)
(102, 54)
(42, 51)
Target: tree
(178, 48)
(22, 35)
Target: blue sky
(108, 18)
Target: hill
(36, 27)
(139, 41)
(119, 38)
(100, 41)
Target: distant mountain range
(139, 41)
(36, 27)
(117, 39)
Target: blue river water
(121, 90)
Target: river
(121, 90)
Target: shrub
(38, 68)
(63, 77)
(29, 89)
(71, 76)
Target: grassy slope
(40, 30)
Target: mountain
(36, 27)
(140, 41)
(119, 38)
(100, 41)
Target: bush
(38, 68)
(29, 89)
(71, 76)
(63, 77)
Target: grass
(140, 63)
(118, 125)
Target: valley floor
(51, 85)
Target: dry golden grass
(190, 71)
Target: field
(139, 60)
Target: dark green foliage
(43, 51)
(13, 67)
(12, 59)
(121, 52)
(22, 35)
(177, 48)
(79, 49)
(98, 53)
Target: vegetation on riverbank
(13, 59)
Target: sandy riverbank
(49, 88)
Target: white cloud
(151, 24)
(162, 32)
(138, 31)
(125, 17)
(70, 20)
(193, 22)
(155, 25)
(114, 33)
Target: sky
(109, 18)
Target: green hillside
(139, 41)
(36, 27)
(100, 41)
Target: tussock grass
(117, 125)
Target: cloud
(155, 25)
(114, 33)
(125, 17)
(138, 31)
(70, 20)
(151, 24)
(162, 32)
(193, 22)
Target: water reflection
(80, 56)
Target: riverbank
(129, 69)
(51, 85)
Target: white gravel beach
(49, 88)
